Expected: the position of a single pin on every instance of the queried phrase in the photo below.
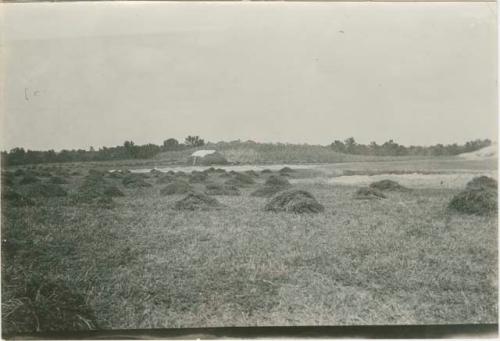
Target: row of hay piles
(480, 197)
(272, 185)
(218, 189)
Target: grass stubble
(402, 260)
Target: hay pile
(11, 197)
(165, 179)
(29, 179)
(252, 173)
(177, 186)
(266, 171)
(19, 172)
(7, 179)
(368, 193)
(135, 181)
(96, 189)
(387, 185)
(286, 171)
(240, 180)
(58, 180)
(480, 197)
(115, 175)
(273, 185)
(482, 182)
(45, 190)
(295, 201)
(217, 189)
(155, 172)
(197, 177)
(195, 201)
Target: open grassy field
(141, 263)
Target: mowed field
(405, 259)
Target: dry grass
(143, 264)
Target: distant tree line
(391, 148)
(129, 150)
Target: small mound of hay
(135, 181)
(15, 199)
(19, 172)
(286, 170)
(197, 177)
(216, 189)
(180, 174)
(58, 180)
(273, 185)
(276, 180)
(176, 187)
(75, 173)
(165, 179)
(482, 182)
(115, 175)
(369, 193)
(7, 179)
(387, 185)
(266, 171)
(96, 172)
(29, 179)
(46, 190)
(478, 201)
(220, 170)
(240, 180)
(197, 201)
(295, 201)
(112, 191)
(252, 173)
(155, 172)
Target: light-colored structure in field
(207, 157)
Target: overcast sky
(94, 74)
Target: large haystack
(482, 182)
(273, 185)
(45, 190)
(217, 189)
(195, 201)
(295, 201)
(368, 193)
(387, 185)
(177, 186)
(286, 171)
(135, 181)
(476, 200)
(11, 197)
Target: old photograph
(248, 164)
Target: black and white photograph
(192, 165)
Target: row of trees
(391, 148)
(129, 150)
